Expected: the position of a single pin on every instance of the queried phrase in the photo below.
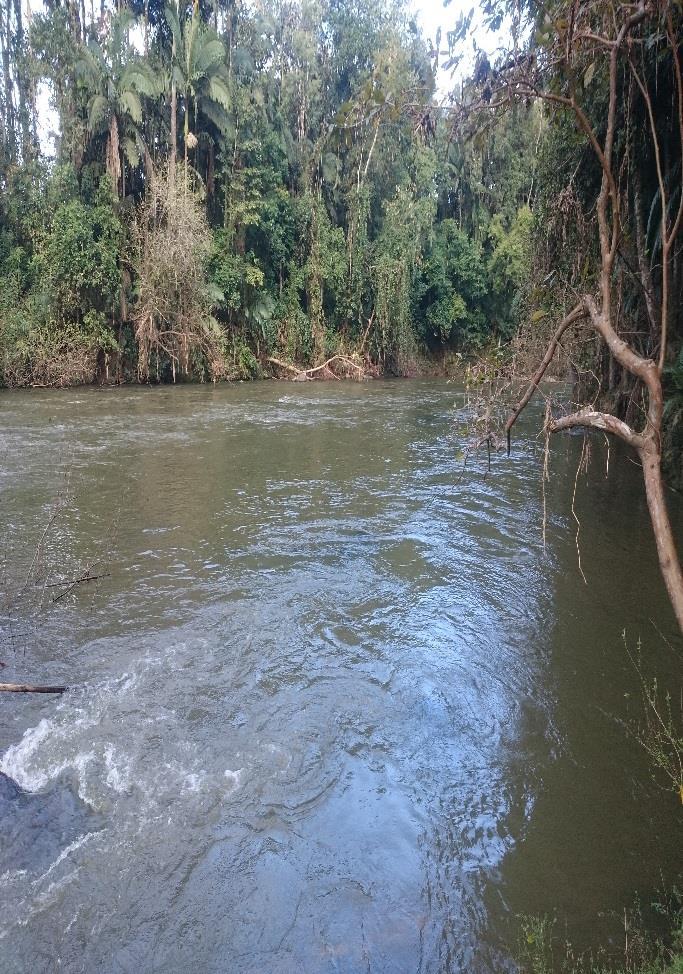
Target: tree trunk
(75, 21)
(174, 134)
(641, 253)
(113, 155)
(5, 40)
(22, 82)
(174, 121)
(666, 547)
(210, 173)
(186, 132)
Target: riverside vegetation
(298, 164)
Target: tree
(172, 317)
(115, 80)
(199, 74)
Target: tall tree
(199, 75)
(115, 81)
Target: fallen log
(29, 688)
(305, 374)
(285, 365)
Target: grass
(540, 950)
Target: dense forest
(238, 183)
(238, 187)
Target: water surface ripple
(318, 696)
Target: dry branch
(590, 418)
(574, 315)
(305, 374)
(77, 581)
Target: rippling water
(336, 708)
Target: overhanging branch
(576, 314)
(589, 418)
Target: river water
(335, 706)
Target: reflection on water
(338, 710)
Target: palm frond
(89, 72)
(218, 91)
(191, 44)
(121, 23)
(130, 104)
(98, 113)
(141, 77)
(218, 116)
(210, 52)
(173, 22)
(131, 151)
(178, 75)
(98, 56)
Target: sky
(432, 14)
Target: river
(335, 705)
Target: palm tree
(200, 75)
(117, 80)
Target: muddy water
(336, 706)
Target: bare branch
(576, 314)
(644, 368)
(591, 418)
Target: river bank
(113, 370)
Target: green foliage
(451, 289)
(61, 278)
(508, 267)
(539, 950)
(80, 258)
(247, 363)
(341, 213)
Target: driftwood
(29, 688)
(72, 585)
(77, 581)
(304, 375)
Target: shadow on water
(605, 830)
(342, 711)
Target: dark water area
(336, 706)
